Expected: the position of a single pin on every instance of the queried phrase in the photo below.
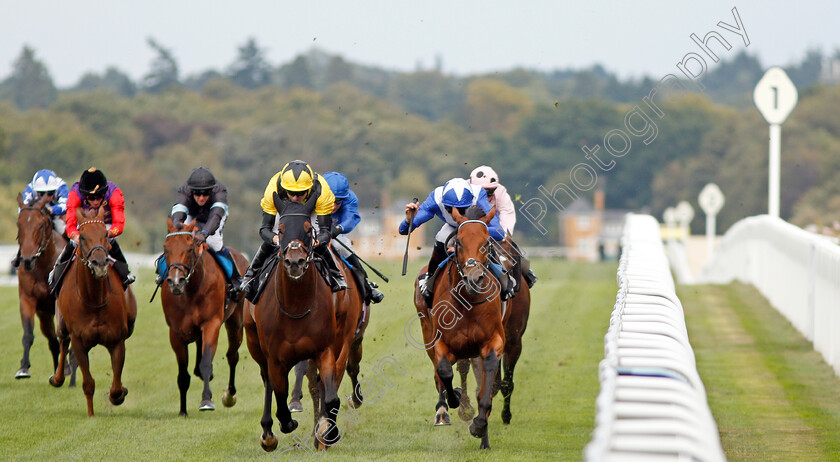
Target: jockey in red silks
(93, 191)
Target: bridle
(47, 234)
(471, 262)
(310, 251)
(86, 260)
(188, 270)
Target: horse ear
(456, 215)
(314, 194)
(170, 228)
(20, 200)
(44, 200)
(80, 214)
(281, 229)
(100, 213)
(492, 213)
(279, 205)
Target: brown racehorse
(195, 308)
(465, 319)
(40, 245)
(93, 308)
(349, 309)
(515, 320)
(296, 319)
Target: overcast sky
(632, 38)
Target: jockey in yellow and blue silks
(345, 217)
(456, 193)
(296, 182)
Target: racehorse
(195, 307)
(40, 245)
(465, 320)
(515, 320)
(297, 318)
(349, 312)
(93, 308)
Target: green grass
(772, 395)
(553, 405)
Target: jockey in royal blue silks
(47, 182)
(456, 193)
(345, 217)
(203, 200)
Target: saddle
(264, 273)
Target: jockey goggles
(201, 192)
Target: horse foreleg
(118, 391)
(297, 391)
(210, 340)
(278, 373)
(48, 329)
(465, 411)
(327, 433)
(443, 368)
(27, 320)
(57, 379)
(478, 428)
(512, 352)
(267, 440)
(316, 391)
(88, 384)
(233, 326)
(182, 354)
(353, 361)
(441, 409)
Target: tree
(297, 74)
(492, 105)
(164, 72)
(338, 70)
(30, 85)
(250, 69)
(113, 80)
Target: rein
(86, 260)
(188, 270)
(310, 251)
(471, 263)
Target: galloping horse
(195, 308)
(515, 321)
(93, 308)
(40, 245)
(465, 319)
(297, 318)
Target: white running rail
(797, 271)
(652, 404)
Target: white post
(773, 179)
(710, 236)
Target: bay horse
(466, 318)
(349, 312)
(297, 318)
(40, 245)
(195, 306)
(515, 320)
(93, 308)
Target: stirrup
(376, 295)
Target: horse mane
(474, 212)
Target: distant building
(590, 233)
(377, 235)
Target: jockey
(92, 191)
(47, 182)
(203, 200)
(345, 217)
(296, 182)
(456, 193)
(497, 194)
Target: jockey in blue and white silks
(46, 182)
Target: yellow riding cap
(296, 176)
(323, 204)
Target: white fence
(652, 404)
(797, 271)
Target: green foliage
(113, 80)
(30, 85)
(164, 72)
(250, 69)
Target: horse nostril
(287, 262)
(300, 261)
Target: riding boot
(371, 293)
(120, 264)
(517, 273)
(530, 277)
(248, 279)
(235, 278)
(336, 281)
(16, 260)
(426, 283)
(57, 273)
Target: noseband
(310, 250)
(188, 270)
(471, 262)
(86, 258)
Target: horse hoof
(454, 401)
(295, 406)
(442, 417)
(290, 427)
(355, 402)
(466, 412)
(55, 382)
(119, 398)
(485, 444)
(506, 416)
(206, 405)
(22, 373)
(228, 400)
(182, 414)
(268, 443)
(478, 428)
(326, 433)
